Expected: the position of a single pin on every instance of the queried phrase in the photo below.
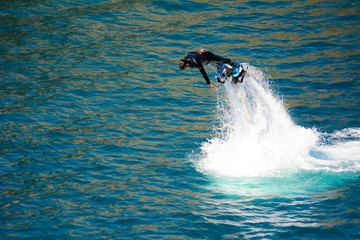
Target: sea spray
(256, 136)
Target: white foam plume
(256, 136)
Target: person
(198, 59)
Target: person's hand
(211, 86)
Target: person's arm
(203, 72)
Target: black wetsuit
(196, 59)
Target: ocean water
(104, 137)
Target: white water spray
(257, 136)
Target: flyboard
(235, 73)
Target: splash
(338, 152)
(257, 138)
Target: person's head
(183, 64)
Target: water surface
(102, 136)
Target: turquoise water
(104, 137)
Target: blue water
(104, 137)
